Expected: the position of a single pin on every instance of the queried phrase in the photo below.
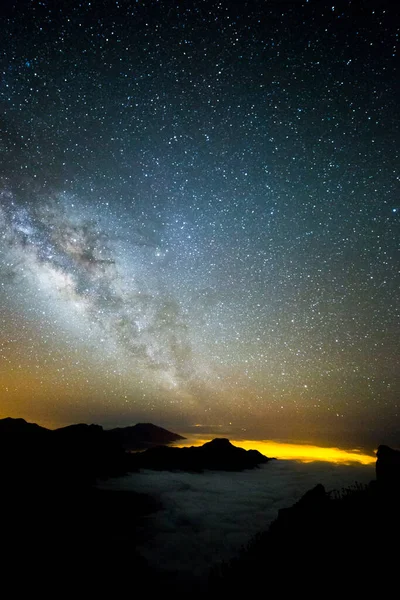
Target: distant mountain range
(83, 453)
(20, 426)
(142, 435)
(74, 456)
(135, 437)
(50, 506)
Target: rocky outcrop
(388, 467)
(325, 538)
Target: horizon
(364, 440)
(299, 450)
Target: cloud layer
(208, 517)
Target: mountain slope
(142, 435)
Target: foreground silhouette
(61, 533)
(78, 453)
(340, 543)
(57, 528)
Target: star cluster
(199, 214)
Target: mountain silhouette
(55, 521)
(388, 467)
(219, 454)
(142, 435)
(9, 426)
(74, 455)
(326, 543)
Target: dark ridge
(58, 527)
(219, 454)
(388, 467)
(326, 543)
(20, 426)
(75, 455)
(79, 430)
(142, 435)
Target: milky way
(199, 215)
(82, 266)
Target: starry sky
(199, 216)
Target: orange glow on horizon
(305, 453)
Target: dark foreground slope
(60, 531)
(60, 534)
(325, 545)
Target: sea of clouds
(206, 518)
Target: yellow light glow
(305, 453)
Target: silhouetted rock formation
(9, 426)
(55, 522)
(73, 455)
(219, 454)
(142, 435)
(24, 452)
(388, 467)
(86, 453)
(325, 539)
(66, 457)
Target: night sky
(199, 216)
